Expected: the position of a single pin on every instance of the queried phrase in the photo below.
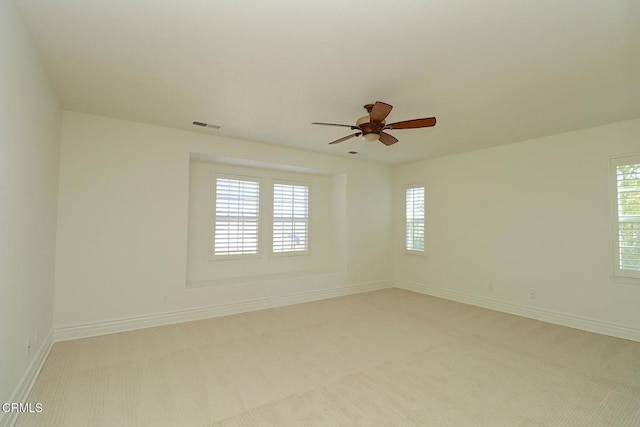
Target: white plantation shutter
(414, 219)
(627, 180)
(236, 217)
(290, 218)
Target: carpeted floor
(383, 358)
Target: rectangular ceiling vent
(206, 125)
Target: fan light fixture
(361, 120)
(369, 137)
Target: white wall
(29, 152)
(529, 216)
(123, 214)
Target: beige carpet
(382, 358)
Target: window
(290, 218)
(626, 176)
(414, 218)
(237, 203)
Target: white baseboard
(23, 389)
(71, 332)
(577, 322)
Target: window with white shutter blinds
(627, 208)
(236, 217)
(414, 219)
(290, 218)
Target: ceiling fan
(373, 126)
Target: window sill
(243, 280)
(234, 257)
(415, 253)
(289, 254)
(626, 280)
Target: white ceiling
(492, 72)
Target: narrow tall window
(414, 219)
(236, 217)
(627, 215)
(290, 218)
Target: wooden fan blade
(413, 124)
(379, 112)
(345, 138)
(387, 139)
(334, 124)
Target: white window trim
(422, 252)
(272, 219)
(213, 256)
(620, 275)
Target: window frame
(307, 251)
(614, 162)
(214, 216)
(423, 251)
